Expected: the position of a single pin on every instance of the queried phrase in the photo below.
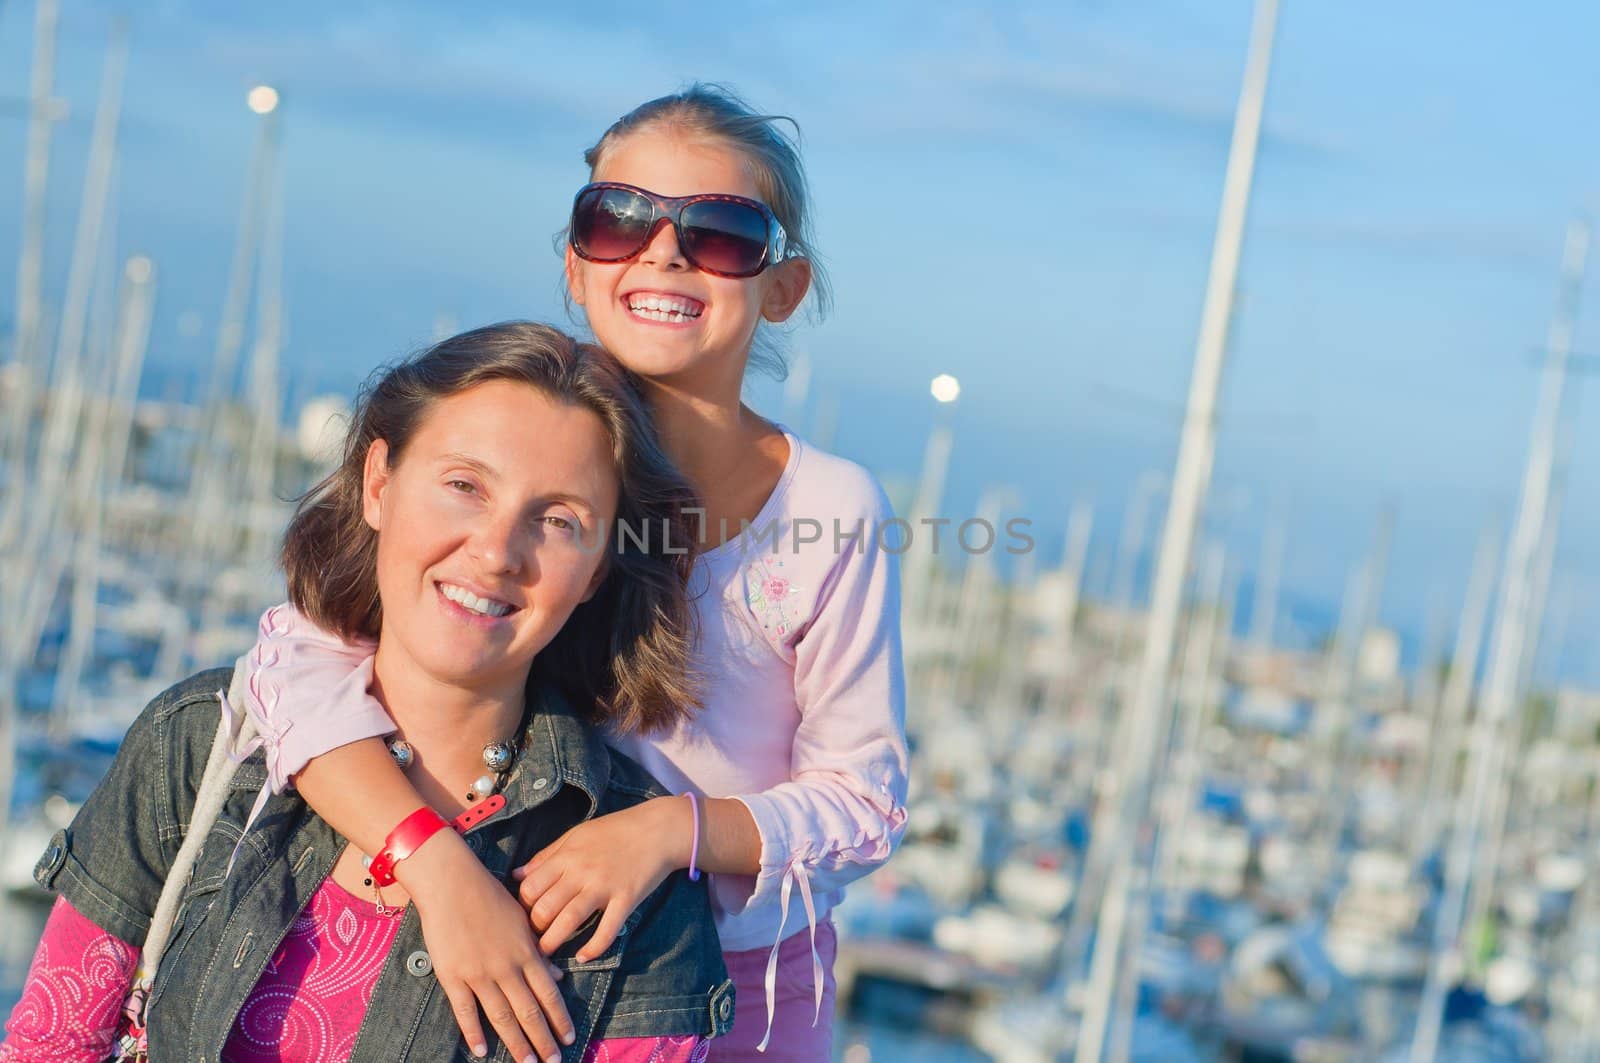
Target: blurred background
(1281, 742)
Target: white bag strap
(234, 730)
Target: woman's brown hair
(622, 658)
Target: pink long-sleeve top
(804, 696)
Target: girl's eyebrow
(478, 465)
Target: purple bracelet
(694, 846)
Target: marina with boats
(1142, 825)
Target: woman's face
(491, 530)
(707, 351)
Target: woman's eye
(559, 522)
(464, 486)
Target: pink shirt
(307, 1007)
(804, 717)
(315, 990)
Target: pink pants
(794, 1039)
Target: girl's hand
(605, 865)
(483, 953)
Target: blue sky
(1020, 194)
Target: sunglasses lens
(610, 224)
(725, 237)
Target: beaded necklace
(497, 758)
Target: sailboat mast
(30, 263)
(1269, 575)
(1458, 684)
(1468, 864)
(1521, 603)
(1190, 481)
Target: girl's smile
(664, 307)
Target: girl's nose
(663, 251)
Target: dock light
(945, 388)
(263, 99)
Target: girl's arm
(842, 813)
(74, 994)
(307, 690)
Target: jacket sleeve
(843, 811)
(306, 691)
(112, 860)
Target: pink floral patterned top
(315, 990)
(308, 1005)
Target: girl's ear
(375, 475)
(574, 276)
(790, 280)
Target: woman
(460, 532)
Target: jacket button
(419, 965)
(540, 783)
(44, 872)
(725, 1009)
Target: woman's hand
(483, 952)
(606, 865)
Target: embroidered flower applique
(769, 594)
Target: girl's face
(480, 559)
(706, 352)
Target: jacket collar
(558, 749)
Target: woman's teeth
(472, 603)
(663, 308)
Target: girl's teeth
(659, 308)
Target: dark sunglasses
(728, 236)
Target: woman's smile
(457, 600)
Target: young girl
(694, 232)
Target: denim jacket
(663, 975)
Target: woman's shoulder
(185, 714)
(181, 698)
(172, 737)
(112, 861)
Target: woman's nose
(663, 251)
(499, 545)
